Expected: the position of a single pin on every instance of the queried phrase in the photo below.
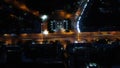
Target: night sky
(49, 5)
(103, 15)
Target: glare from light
(45, 32)
(78, 21)
(6, 34)
(44, 17)
(92, 64)
(62, 29)
(78, 27)
(75, 41)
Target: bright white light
(6, 34)
(92, 64)
(44, 17)
(75, 41)
(78, 21)
(45, 32)
(78, 27)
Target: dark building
(15, 20)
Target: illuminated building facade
(59, 25)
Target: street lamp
(44, 17)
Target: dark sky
(48, 5)
(101, 15)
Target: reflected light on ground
(24, 35)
